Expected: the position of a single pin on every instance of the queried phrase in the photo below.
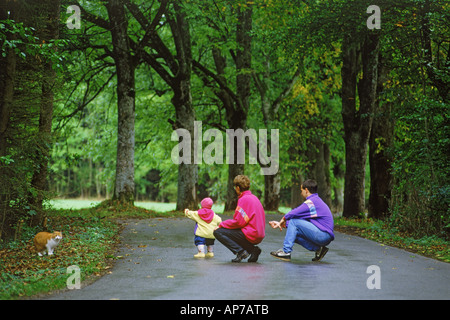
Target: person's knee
(217, 233)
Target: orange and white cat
(47, 241)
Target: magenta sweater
(249, 216)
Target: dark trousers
(234, 239)
(205, 241)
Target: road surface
(157, 263)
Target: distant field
(81, 203)
(156, 206)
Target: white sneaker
(280, 254)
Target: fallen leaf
(171, 276)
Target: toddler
(207, 221)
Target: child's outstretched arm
(191, 214)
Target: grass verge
(89, 239)
(377, 230)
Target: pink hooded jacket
(205, 213)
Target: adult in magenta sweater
(247, 228)
(310, 225)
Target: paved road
(158, 263)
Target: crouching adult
(310, 225)
(247, 228)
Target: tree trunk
(234, 168)
(39, 180)
(7, 76)
(178, 78)
(357, 122)
(319, 170)
(238, 118)
(182, 101)
(338, 200)
(381, 139)
(296, 191)
(272, 185)
(7, 79)
(187, 172)
(124, 185)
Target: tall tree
(125, 66)
(51, 11)
(358, 119)
(7, 77)
(235, 101)
(238, 118)
(380, 160)
(269, 110)
(175, 69)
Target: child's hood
(206, 214)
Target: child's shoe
(199, 255)
(210, 253)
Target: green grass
(83, 204)
(380, 231)
(149, 205)
(87, 243)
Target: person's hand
(185, 211)
(275, 224)
(216, 228)
(282, 223)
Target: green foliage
(87, 243)
(421, 204)
(386, 234)
(420, 199)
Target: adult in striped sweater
(310, 225)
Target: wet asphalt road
(157, 263)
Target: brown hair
(311, 185)
(243, 182)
